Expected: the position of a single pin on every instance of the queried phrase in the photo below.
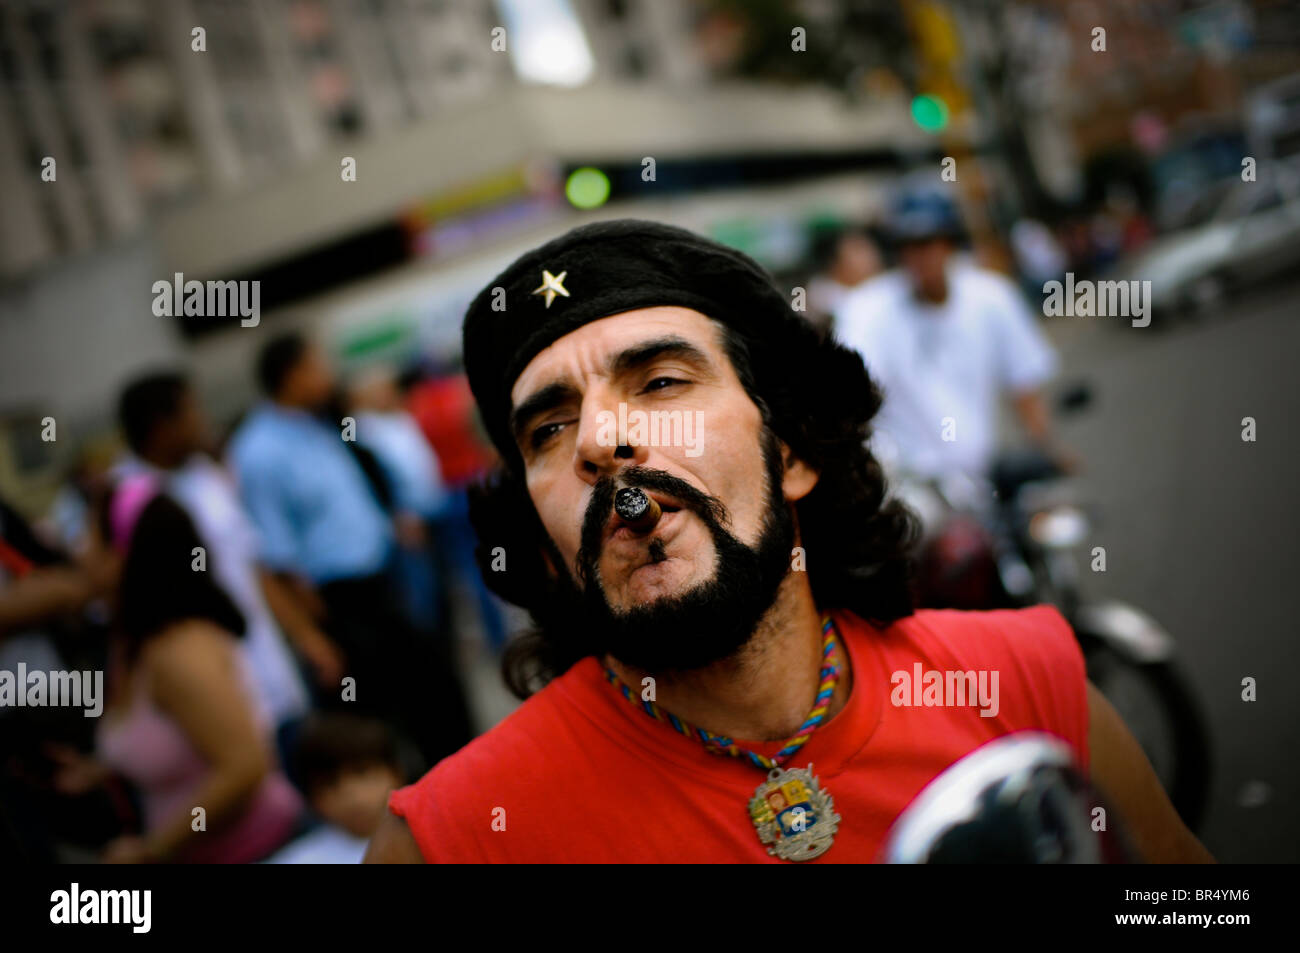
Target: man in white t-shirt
(165, 429)
(945, 339)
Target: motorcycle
(1013, 540)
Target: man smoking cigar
(698, 690)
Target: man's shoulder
(547, 754)
(1033, 654)
(202, 471)
(985, 286)
(986, 633)
(872, 313)
(257, 439)
(865, 301)
(1032, 647)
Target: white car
(1248, 232)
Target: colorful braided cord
(830, 674)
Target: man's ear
(799, 478)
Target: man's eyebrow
(669, 346)
(550, 396)
(624, 362)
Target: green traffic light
(930, 112)
(587, 187)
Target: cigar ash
(636, 509)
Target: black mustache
(708, 508)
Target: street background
(1124, 160)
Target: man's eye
(659, 383)
(545, 433)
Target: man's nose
(600, 449)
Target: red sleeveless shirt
(577, 774)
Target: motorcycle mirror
(1018, 799)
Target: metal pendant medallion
(793, 815)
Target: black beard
(707, 623)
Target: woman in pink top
(181, 723)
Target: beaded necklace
(790, 811)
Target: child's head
(347, 765)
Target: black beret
(608, 268)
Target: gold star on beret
(551, 286)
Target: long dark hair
(815, 394)
(158, 585)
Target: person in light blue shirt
(323, 526)
(310, 499)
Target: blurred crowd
(1037, 250)
(276, 613)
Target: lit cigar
(636, 509)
